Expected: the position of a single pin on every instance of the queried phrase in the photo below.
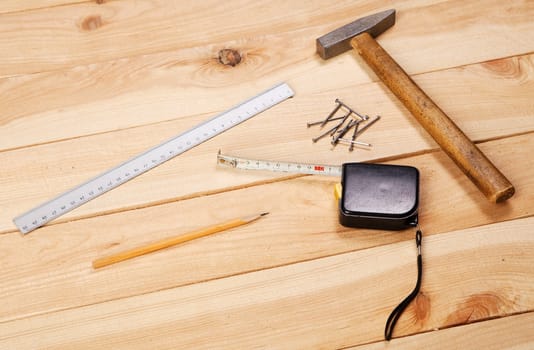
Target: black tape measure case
(379, 196)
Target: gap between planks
(119, 57)
(200, 281)
(86, 134)
(438, 246)
(519, 320)
(435, 221)
(171, 200)
(53, 4)
(382, 159)
(295, 29)
(246, 185)
(206, 115)
(251, 271)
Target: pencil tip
(254, 217)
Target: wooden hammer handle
(448, 135)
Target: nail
(354, 134)
(368, 125)
(362, 117)
(345, 117)
(325, 133)
(359, 143)
(343, 131)
(321, 121)
(332, 113)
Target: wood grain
(26, 5)
(508, 333)
(335, 301)
(135, 91)
(85, 85)
(139, 92)
(302, 225)
(29, 181)
(88, 32)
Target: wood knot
(509, 68)
(422, 307)
(92, 23)
(478, 307)
(229, 57)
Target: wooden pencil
(169, 242)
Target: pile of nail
(349, 120)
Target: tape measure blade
(278, 166)
(149, 159)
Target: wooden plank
(109, 97)
(336, 301)
(50, 269)
(85, 86)
(67, 36)
(507, 333)
(7, 6)
(39, 173)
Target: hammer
(360, 35)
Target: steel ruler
(112, 178)
(287, 167)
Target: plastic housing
(379, 196)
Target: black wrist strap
(397, 312)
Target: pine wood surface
(85, 85)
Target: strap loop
(397, 312)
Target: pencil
(169, 242)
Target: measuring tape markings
(153, 157)
(287, 167)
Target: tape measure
(379, 196)
(286, 167)
(112, 178)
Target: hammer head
(338, 41)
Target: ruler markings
(151, 158)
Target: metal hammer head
(338, 41)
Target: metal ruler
(287, 167)
(112, 178)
